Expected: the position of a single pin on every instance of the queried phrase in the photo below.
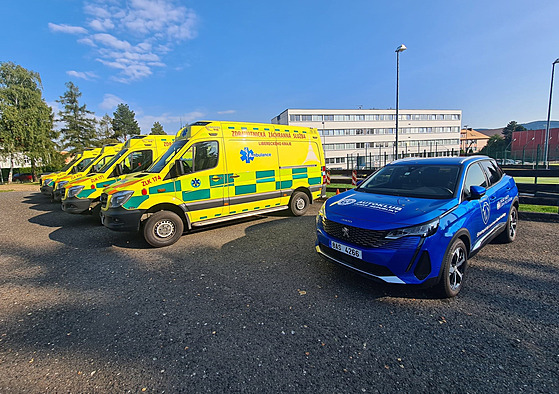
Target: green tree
(157, 129)
(124, 123)
(26, 121)
(511, 127)
(496, 145)
(78, 131)
(105, 130)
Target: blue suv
(418, 221)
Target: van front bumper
(76, 205)
(57, 195)
(46, 190)
(120, 219)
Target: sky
(177, 61)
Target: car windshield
(84, 164)
(167, 157)
(70, 164)
(413, 180)
(114, 159)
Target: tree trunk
(33, 170)
(10, 174)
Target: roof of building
(471, 134)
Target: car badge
(345, 232)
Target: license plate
(346, 249)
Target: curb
(539, 217)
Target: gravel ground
(251, 307)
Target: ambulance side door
(202, 187)
(253, 174)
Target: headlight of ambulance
(422, 230)
(73, 191)
(62, 184)
(321, 213)
(47, 181)
(120, 198)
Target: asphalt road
(250, 307)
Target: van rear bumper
(76, 205)
(120, 219)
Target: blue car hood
(382, 212)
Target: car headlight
(61, 184)
(73, 191)
(120, 198)
(47, 181)
(422, 230)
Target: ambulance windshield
(167, 156)
(106, 167)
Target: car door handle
(234, 176)
(216, 178)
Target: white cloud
(87, 75)
(132, 36)
(67, 29)
(229, 111)
(110, 101)
(101, 25)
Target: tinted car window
(474, 177)
(493, 172)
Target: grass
(7, 190)
(537, 208)
(530, 180)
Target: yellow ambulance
(81, 161)
(217, 171)
(106, 154)
(139, 152)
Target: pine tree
(79, 131)
(157, 129)
(105, 130)
(124, 123)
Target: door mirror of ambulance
(182, 167)
(118, 169)
(476, 192)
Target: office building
(365, 138)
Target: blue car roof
(461, 160)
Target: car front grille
(355, 235)
(103, 199)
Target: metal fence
(371, 161)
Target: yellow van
(217, 171)
(106, 154)
(139, 152)
(81, 161)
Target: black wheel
(163, 228)
(299, 203)
(455, 263)
(509, 233)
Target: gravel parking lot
(251, 307)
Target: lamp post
(510, 143)
(401, 48)
(546, 148)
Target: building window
(328, 118)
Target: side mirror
(182, 167)
(477, 192)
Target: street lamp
(510, 143)
(401, 48)
(545, 158)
